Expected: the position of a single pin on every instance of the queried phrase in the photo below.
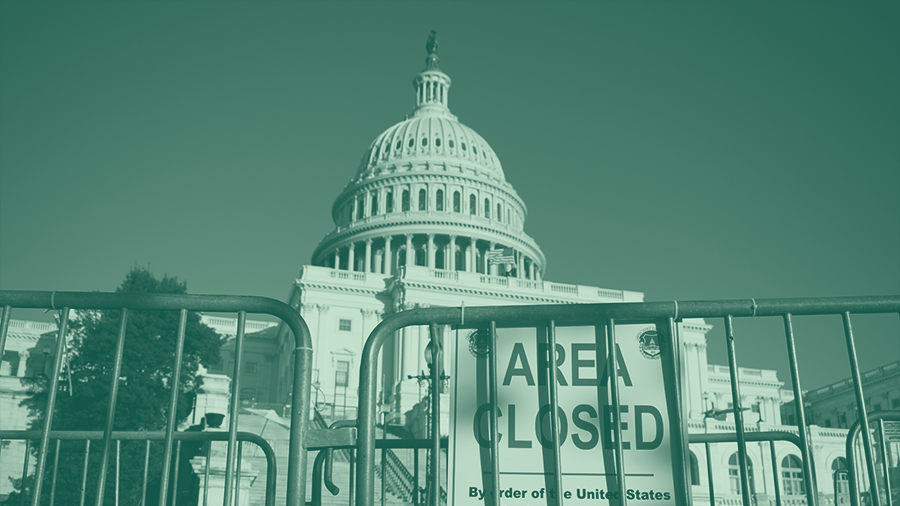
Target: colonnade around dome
(386, 255)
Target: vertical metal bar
(709, 477)
(861, 409)
(4, 328)
(146, 469)
(351, 488)
(415, 495)
(885, 464)
(383, 468)
(495, 405)
(55, 469)
(671, 369)
(175, 473)
(25, 471)
(297, 454)
(233, 407)
(808, 475)
(87, 455)
(775, 472)
(738, 412)
(48, 409)
(436, 373)
(206, 473)
(118, 467)
(612, 365)
(237, 484)
(554, 411)
(173, 407)
(111, 410)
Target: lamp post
(435, 379)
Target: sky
(689, 150)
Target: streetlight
(435, 379)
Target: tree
(143, 395)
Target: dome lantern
(431, 85)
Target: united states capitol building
(429, 219)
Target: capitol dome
(433, 187)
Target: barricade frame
(67, 301)
(664, 315)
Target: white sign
(586, 433)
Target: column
(531, 270)
(368, 259)
(473, 252)
(337, 258)
(350, 257)
(23, 361)
(423, 343)
(520, 269)
(410, 349)
(378, 261)
(410, 254)
(387, 256)
(431, 250)
(452, 248)
(488, 268)
(353, 213)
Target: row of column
(6, 366)
(431, 91)
(454, 254)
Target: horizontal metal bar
(730, 437)
(160, 302)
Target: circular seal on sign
(479, 343)
(649, 343)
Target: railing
(67, 301)
(875, 486)
(204, 447)
(603, 318)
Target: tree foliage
(143, 395)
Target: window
(439, 200)
(876, 406)
(341, 373)
(499, 214)
(451, 142)
(404, 204)
(695, 470)
(398, 144)
(374, 204)
(828, 422)
(487, 208)
(895, 403)
(360, 208)
(464, 146)
(345, 325)
(473, 205)
(423, 201)
(840, 464)
(424, 141)
(474, 150)
(412, 142)
(792, 476)
(734, 476)
(389, 202)
(456, 202)
(842, 420)
(251, 367)
(437, 142)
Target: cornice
(484, 293)
(337, 288)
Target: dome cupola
(431, 192)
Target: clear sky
(686, 150)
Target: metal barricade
(67, 301)
(605, 317)
(875, 485)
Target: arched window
(499, 214)
(374, 203)
(473, 205)
(451, 142)
(424, 141)
(411, 142)
(460, 259)
(360, 207)
(695, 470)
(420, 257)
(487, 208)
(398, 144)
(404, 204)
(734, 475)
(840, 478)
(439, 200)
(437, 142)
(389, 202)
(792, 476)
(423, 200)
(456, 202)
